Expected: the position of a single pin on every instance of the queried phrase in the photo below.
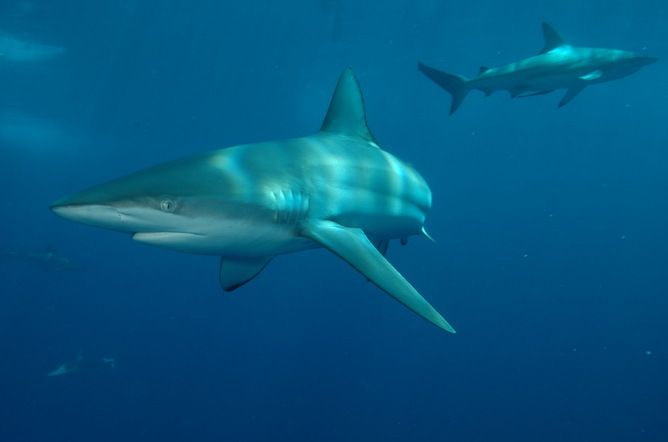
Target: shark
(335, 189)
(559, 65)
(48, 259)
(15, 49)
(82, 363)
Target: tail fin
(453, 83)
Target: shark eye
(167, 205)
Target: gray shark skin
(335, 189)
(558, 66)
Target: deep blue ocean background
(551, 253)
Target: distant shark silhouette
(335, 189)
(36, 134)
(558, 66)
(22, 8)
(82, 364)
(48, 259)
(18, 50)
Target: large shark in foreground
(558, 66)
(336, 189)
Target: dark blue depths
(550, 226)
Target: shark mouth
(166, 237)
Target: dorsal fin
(346, 114)
(483, 69)
(552, 38)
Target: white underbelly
(231, 238)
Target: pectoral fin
(570, 94)
(235, 272)
(354, 247)
(594, 75)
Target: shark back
(339, 173)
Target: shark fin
(382, 245)
(427, 235)
(594, 75)
(353, 246)
(346, 114)
(552, 38)
(236, 272)
(455, 84)
(570, 94)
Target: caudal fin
(453, 83)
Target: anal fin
(353, 246)
(571, 93)
(235, 272)
(382, 245)
(594, 75)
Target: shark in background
(36, 134)
(558, 66)
(83, 364)
(336, 189)
(47, 259)
(20, 9)
(18, 50)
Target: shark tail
(455, 84)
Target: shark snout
(122, 216)
(97, 207)
(643, 60)
(646, 59)
(94, 214)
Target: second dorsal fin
(346, 114)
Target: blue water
(550, 224)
